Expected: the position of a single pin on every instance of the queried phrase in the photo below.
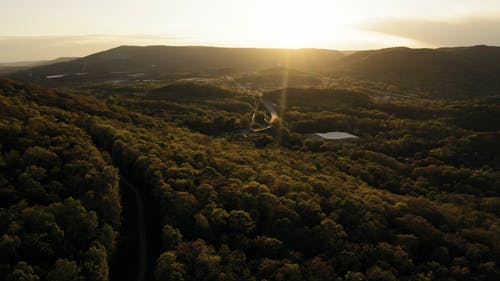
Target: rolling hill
(167, 59)
(273, 78)
(443, 72)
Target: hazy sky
(36, 29)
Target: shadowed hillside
(187, 90)
(445, 72)
(275, 77)
(442, 72)
(318, 98)
(149, 59)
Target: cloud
(32, 48)
(460, 32)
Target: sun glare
(294, 24)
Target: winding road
(270, 108)
(267, 104)
(143, 241)
(274, 116)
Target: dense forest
(415, 197)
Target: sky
(38, 30)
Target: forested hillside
(443, 72)
(60, 202)
(446, 73)
(161, 60)
(415, 198)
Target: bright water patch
(336, 135)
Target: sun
(293, 24)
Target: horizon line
(227, 47)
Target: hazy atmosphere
(37, 30)
(256, 140)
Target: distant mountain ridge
(458, 71)
(147, 59)
(10, 67)
(37, 62)
(442, 71)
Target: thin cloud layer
(470, 31)
(33, 48)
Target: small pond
(336, 136)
